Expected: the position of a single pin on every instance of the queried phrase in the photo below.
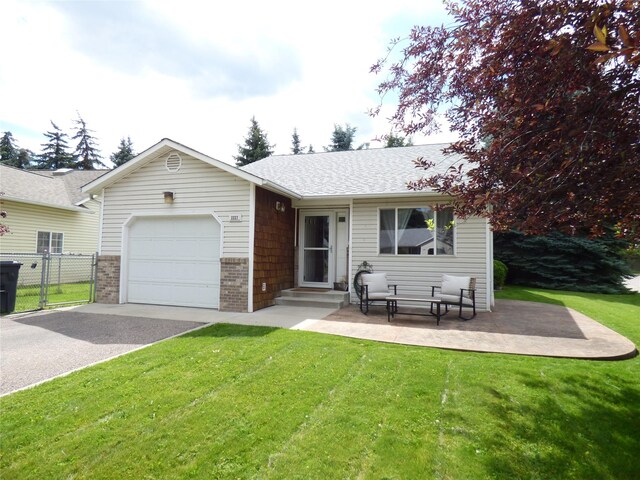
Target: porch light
(168, 197)
(280, 207)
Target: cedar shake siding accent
(273, 248)
(234, 280)
(108, 279)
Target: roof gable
(164, 147)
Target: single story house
(47, 211)
(181, 228)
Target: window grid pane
(415, 231)
(56, 242)
(387, 233)
(42, 243)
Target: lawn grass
(28, 297)
(234, 401)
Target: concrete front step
(300, 297)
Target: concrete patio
(514, 327)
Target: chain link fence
(46, 280)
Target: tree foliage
(561, 262)
(545, 96)
(87, 153)
(55, 153)
(341, 138)
(124, 153)
(8, 150)
(392, 140)
(256, 146)
(296, 147)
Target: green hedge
(561, 262)
(499, 274)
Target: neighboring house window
(49, 242)
(416, 231)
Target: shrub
(499, 274)
(561, 262)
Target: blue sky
(195, 72)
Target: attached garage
(173, 260)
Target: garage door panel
(174, 261)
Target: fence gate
(53, 279)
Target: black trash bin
(8, 285)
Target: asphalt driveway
(40, 346)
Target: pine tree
(87, 153)
(9, 151)
(55, 152)
(256, 146)
(342, 138)
(310, 149)
(25, 158)
(561, 262)
(295, 143)
(397, 141)
(124, 153)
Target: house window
(50, 242)
(416, 231)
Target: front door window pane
(316, 266)
(316, 232)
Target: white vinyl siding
(415, 274)
(198, 188)
(80, 229)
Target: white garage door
(174, 261)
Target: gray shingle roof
(44, 187)
(354, 172)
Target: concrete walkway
(524, 328)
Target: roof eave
(409, 193)
(71, 208)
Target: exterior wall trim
(252, 233)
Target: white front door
(324, 237)
(316, 249)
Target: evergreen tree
(310, 149)
(397, 141)
(342, 138)
(25, 158)
(124, 153)
(55, 152)
(87, 153)
(9, 151)
(561, 262)
(295, 143)
(256, 146)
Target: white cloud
(197, 73)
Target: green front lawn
(250, 402)
(28, 297)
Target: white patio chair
(375, 288)
(458, 291)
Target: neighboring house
(181, 228)
(46, 210)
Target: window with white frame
(416, 231)
(50, 242)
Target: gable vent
(173, 162)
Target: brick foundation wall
(108, 279)
(234, 284)
(273, 250)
